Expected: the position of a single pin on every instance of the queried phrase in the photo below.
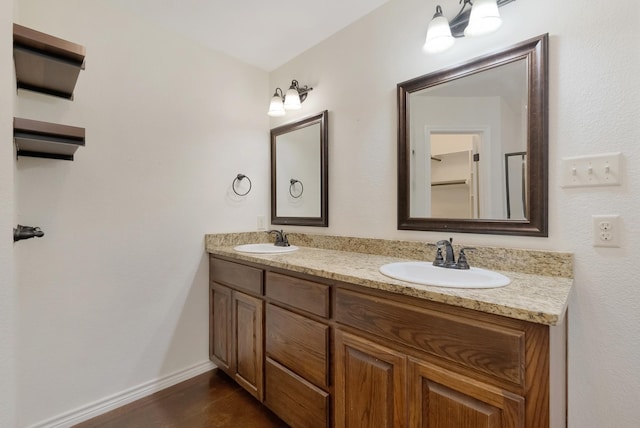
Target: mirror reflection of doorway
(515, 165)
(454, 180)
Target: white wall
(593, 108)
(115, 294)
(7, 282)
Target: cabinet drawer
(302, 294)
(236, 275)
(488, 348)
(298, 343)
(293, 399)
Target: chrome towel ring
(292, 182)
(236, 180)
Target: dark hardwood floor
(211, 400)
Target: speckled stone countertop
(540, 281)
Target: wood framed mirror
(455, 127)
(299, 172)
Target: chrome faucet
(281, 238)
(448, 259)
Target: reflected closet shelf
(449, 182)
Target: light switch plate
(593, 170)
(261, 222)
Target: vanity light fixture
(481, 17)
(291, 100)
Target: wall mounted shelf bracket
(46, 140)
(45, 63)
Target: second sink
(264, 248)
(426, 274)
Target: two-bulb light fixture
(291, 100)
(481, 17)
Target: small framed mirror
(299, 172)
(473, 145)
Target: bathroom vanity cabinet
(431, 365)
(236, 323)
(297, 342)
(321, 353)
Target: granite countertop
(536, 297)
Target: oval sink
(427, 274)
(264, 248)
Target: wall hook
(239, 178)
(26, 232)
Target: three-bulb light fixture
(291, 100)
(481, 17)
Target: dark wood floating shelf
(46, 63)
(46, 140)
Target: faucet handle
(462, 261)
(439, 260)
(462, 258)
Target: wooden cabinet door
(439, 398)
(220, 323)
(248, 338)
(370, 384)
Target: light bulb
(484, 18)
(276, 107)
(292, 99)
(439, 36)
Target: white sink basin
(427, 274)
(264, 248)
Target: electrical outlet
(606, 230)
(262, 223)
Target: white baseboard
(112, 402)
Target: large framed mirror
(299, 172)
(456, 128)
